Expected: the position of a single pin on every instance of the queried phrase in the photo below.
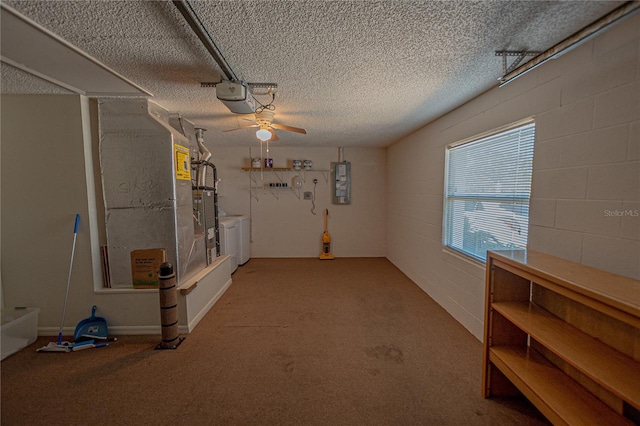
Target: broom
(59, 345)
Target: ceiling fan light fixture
(263, 135)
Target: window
(487, 189)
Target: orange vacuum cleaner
(326, 240)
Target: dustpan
(91, 328)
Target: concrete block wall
(586, 184)
(585, 192)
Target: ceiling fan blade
(288, 128)
(274, 136)
(240, 128)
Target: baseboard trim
(192, 324)
(142, 330)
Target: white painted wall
(586, 171)
(42, 190)
(286, 226)
(46, 180)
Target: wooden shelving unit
(565, 335)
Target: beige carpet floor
(291, 342)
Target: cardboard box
(145, 265)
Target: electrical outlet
(307, 195)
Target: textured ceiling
(352, 73)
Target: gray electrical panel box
(341, 182)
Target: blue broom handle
(66, 296)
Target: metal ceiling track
(252, 85)
(198, 28)
(626, 10)
(185, 8)
(519, 56)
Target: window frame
(447, 211)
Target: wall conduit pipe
(205, 155)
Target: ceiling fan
(265, 124)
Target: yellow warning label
(183, 166)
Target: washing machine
(229, 239)
(244, 240)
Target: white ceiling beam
(28, 46)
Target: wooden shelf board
(618, 291)
(558, 397)
(609, 368)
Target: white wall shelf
(262, 177)
(256, 191)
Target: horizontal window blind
(487, 190)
